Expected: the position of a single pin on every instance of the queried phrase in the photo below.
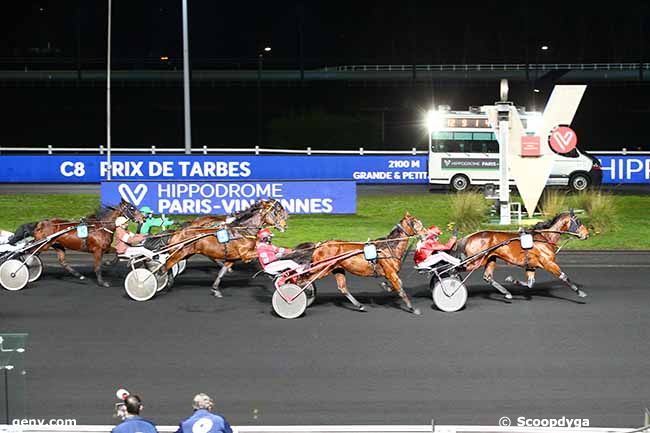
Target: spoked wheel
(449, 294)
(34, 266)
(310, 291)
(140, 284)
(14, 274)
(181, 266)
(289, 301)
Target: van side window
(573, 154)
(492, 147)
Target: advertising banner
(219, 198)
(94, 169)
(625, 168)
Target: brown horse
(390, 251)
(488, 246)
(242, 232)
(101, 226)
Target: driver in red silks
(429, 252)
(268, 254)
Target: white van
(464, 152)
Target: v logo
(135, 195)
(563, 140)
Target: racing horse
(101, 226)
(488, 246)
(390, 252)
(241, 244)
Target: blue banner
(93, 169)
(219, 198)
(625, 168)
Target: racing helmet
(146, 210)
(264, 235)
(121, 220)
(434, 231)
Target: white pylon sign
(531, 174)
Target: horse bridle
(273, 211)
(411, 224)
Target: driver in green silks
(151, 221)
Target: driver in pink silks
(268, 254)
(429, 252)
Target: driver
(268, 254)
(126, 239)
(429, 252)
(151, 221)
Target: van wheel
(459, 183)
(579, 182)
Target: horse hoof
(416, 311)
(582, 294)
(508, 295)
(362, 308)
(81, 277)
(385, 286)
(105, 284)
(509, 279)
(217, 293)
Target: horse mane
(247, 213)
(548, 223)
(302, 253)
(101, 212)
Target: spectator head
(202, 401)
(133, 404)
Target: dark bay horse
(390, 251)
(242, 232)
(546, 236)
(101, 226)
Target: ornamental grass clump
(552, 203)
(468, 210)
(600, 208)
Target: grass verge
(376, 216)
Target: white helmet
(121, 220)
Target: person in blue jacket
(133, 422)
(203, 420)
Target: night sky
(65, 34)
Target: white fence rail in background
(204, 150)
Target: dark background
(71, 35)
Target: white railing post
(153, 150)
(257, 150)
(205, 149)
(101, 149)
(49, 149)
(361, 151)
(414, 151)
(308, 150)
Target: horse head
(412, 226)
(571, 224)
(129, 211)
(274, 214)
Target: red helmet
(433, 231)
(264, 234)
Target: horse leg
(554, 269)
(396, 284)
(60, 253)
(530, 274)
(215, 286)
(488, 276)
(98, 254)
(343, 288)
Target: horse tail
(22, 232)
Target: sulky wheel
(449, 294)
(182, 264)
(175, 270)
(162, 278)
(140, 284)
(289, 301)
(14, 274)
(310, 291)
(34, 266)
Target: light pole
(108, 95)
(186, 83)
(260, 120)
(503, 119)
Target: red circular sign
(563, 139)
